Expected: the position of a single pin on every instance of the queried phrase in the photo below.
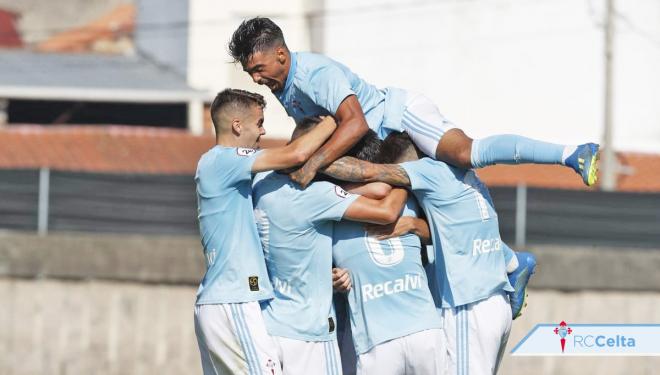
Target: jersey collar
(292, 72)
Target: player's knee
(455, 148)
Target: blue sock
(514, 149)
(510, 259)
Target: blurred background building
(103, 116)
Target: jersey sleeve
(411, 207)
(328, 87)
(237, 167)
(418, 172)
(327, 201)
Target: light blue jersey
(295, 226)
(235, 267)
(469, 262)
(316, 85)
(390, 297)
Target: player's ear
(236, 126)
(281, 54)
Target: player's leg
(452, 328)
(515, 149)
(309, 357)
(475, 335)
(387, 358)
(232, 339)
(488, 326)
(439, 138)
(425, 352)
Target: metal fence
(160, 204)
(90, 202)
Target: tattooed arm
(352, 126)
(349, 168)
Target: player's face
(269, 67)
(252, 127)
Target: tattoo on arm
(351, 169)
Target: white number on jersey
(385, 253)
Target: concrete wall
(106, 304)
(89, 327)
(98, 327)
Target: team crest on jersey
(341, 192)
(253, 282)
(241, 151)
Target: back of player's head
(230, 103)
(367, 148)
(254, 35)
(397, 147)
(307, 124)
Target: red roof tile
(642, 174)
(130, 149)
(116, 149)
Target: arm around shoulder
(298, 151)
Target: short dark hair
(367, 148)
(253, 35)
(238, 99)
(394, 145)
(304, 126)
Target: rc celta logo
(562, 330)
(590, 340)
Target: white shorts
(421, 353)
(476, 335)
(300, 357)
(424, 123)
(232, 339)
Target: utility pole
(610, 166)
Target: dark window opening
(96, 113)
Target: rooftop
(69, 76)
(124, 149)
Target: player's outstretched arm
(296, 152)
(404, 225)
(351, 169)
(377, 211)
(352, 127)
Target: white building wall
(509, 66)
(211, 67)
(534, 68)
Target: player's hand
(303, 176)
(403, 225)
(341, 280)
